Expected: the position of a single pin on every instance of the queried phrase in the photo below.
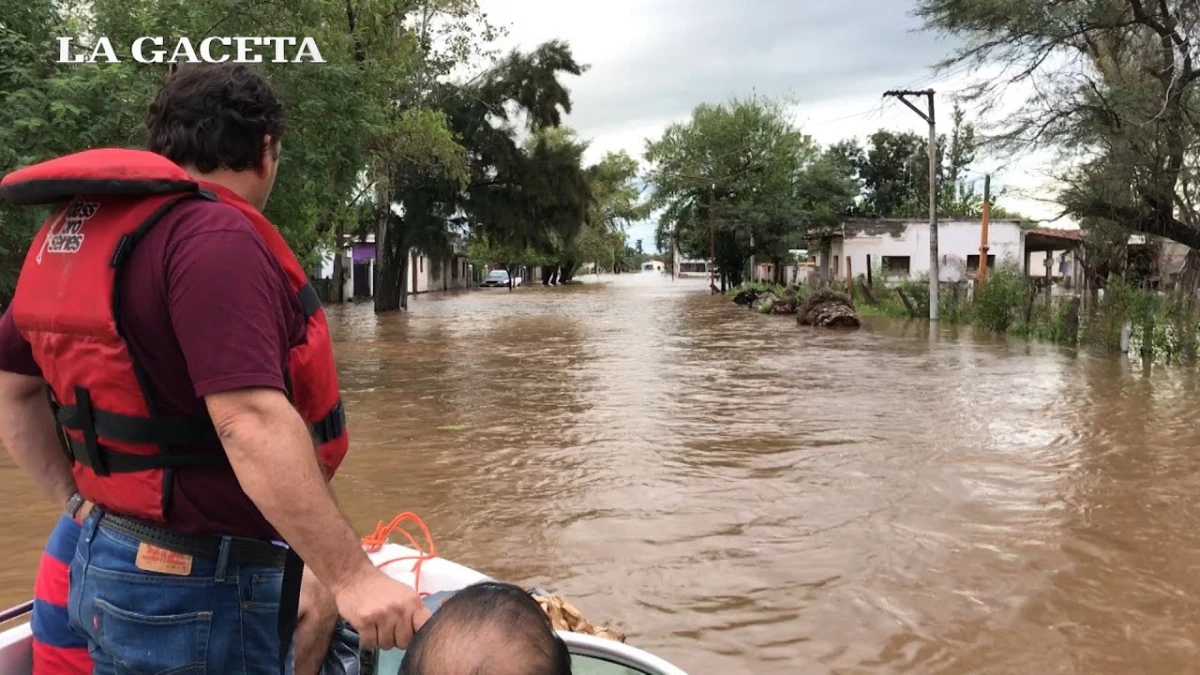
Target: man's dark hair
(214, 116)
(485, 629)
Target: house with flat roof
(899, 248)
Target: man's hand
(30, 432)
(385, 612)
(273, 457)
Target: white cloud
(652, 61)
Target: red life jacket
(67, 305)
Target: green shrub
(1001, 301)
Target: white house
(900, 248)
(688, 267)
(358, 259)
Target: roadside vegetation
(1159, 325)
(414, 130)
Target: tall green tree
(507, 198)
(892, 173)
(738, 179)
(1115, 95)
(616, 203)
(49, 109)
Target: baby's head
(489, 628)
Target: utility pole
(928, 116)
(983, 234)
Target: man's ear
(270, 155)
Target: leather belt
(242, 551)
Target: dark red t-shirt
(206, 309)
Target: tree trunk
(547, 274)
(391, 263)
(777, 271)
(824, 259)
(337, 293)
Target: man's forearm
(275, 462)
(30, 432)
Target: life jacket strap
(131, 429)
(115, 461)
(332, 425)
(309, 300)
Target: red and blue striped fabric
(56, 649)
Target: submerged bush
(1001, 301)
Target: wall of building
(893, 241)
(454, 273)
(418, 273)
(793, 273)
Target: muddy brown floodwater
(746, 496)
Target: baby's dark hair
(488, 628)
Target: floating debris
(565, 616)
(828, 308)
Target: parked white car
(499, 279)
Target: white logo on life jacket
(65, 235)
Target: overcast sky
(653, 61)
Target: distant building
(358, 259)
(653, 266)
(689, 267)
(899, 249)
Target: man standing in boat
(192, 384)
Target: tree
(509, 196)
(616, 204)
(49, 109)
(403, 49)
(1114, 93)
(892, 173)
(738, 179)
(52, 109)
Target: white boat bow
(590, 655)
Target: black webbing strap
(309, 300)
(89, 449)
(63, 439)
(289, 605)
(130, 429)
(332, 425)
(115, 461)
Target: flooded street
(742, 495)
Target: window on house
(896, 265)
(973, 263)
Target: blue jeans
(220, 619)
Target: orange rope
(375, 541)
